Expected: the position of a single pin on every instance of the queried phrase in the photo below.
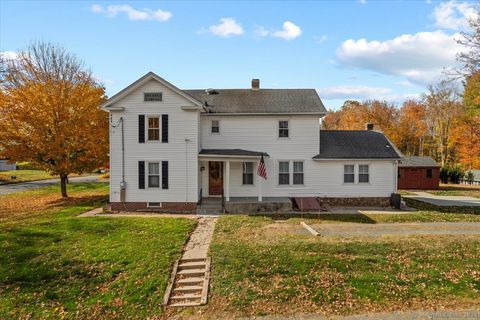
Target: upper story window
(297, 172)
(348, 173)
(283, 172)
(429, 173)
(152, 96)
(153, 175)
(247, 177)
(363, 173)
(283, 129)
(215, 126)
(153, 128)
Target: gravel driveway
(385, 229)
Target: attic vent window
(152, 96)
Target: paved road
(445, 201)
(403, 229)
(397, 315)
(22, 186)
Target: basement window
(152, 96)
(154, 205)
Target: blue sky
(345, 49)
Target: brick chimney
(369, 126)
(255, 84)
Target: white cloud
(8, 55)
(420, 58)
(362, 1)
(321, 38)
(363, 93)
(453, 15)
(132, 13)
(226, 28)
(290, 31)
(404, 83)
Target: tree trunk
(63, 185)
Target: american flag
(262, 171)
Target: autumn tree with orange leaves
(49, 112)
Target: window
(153, 129)
(152, 96)
(283, 129)
(297, 172)
(153, 175)
(283, 172)
(215, 126)
(154, 205)
(349, 173)
(363, 175)
(247, 173)
(429, 173)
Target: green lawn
(56, 265)
(23, 175)
(258, 271)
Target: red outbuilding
(418, 173)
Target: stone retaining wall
(355, 202)
(256, 207)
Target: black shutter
(141, 128)
(141, 174)
(164, 127)
(164, 174)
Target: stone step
(191, 265)
(188, 296)
(188, 289)
(191, 281)
(192, 272)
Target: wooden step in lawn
(188, 284)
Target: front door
(215, 178)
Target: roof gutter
(261, 113)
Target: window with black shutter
(165, 128)
(164, 174)
(141, 174)
(141, 128)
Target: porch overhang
(230, 153)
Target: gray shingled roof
(365, 144)
(232, 152)
(261, 101)
(415, 161)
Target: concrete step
(191, 265)
(192, 272)
(191, 281)
(188, 289)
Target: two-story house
(169, 148)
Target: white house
(169, 148)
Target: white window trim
(358, 179)
(253, 174)
(150, 206)
(288, 129)
(289, 174)
(293, 172)
(343, 173)
(159, 127)
(147, 174)
(211, 127)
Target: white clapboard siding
(181, 155)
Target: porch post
(227, 180)
(260, 182)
